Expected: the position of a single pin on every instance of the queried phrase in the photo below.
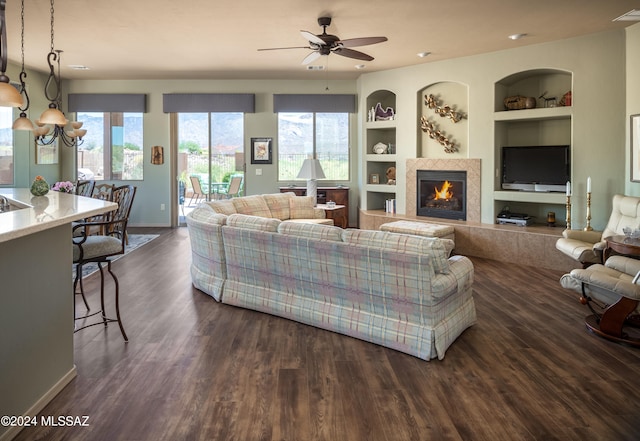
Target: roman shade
(107, 102)
(325, 103)
(208, 102)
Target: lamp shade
(311, 169)
(53, 116)
(23, 123)
(9, 95)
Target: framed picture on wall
(635, 148)
(261, 151)
(47, 154)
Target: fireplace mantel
(471, 166)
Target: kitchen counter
(36, 298)
(45, 212)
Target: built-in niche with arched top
(443, 127)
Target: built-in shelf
(380, 158)
(376, 165)
(530, 196)
(380, 188)
(531, 127)
(534, 114)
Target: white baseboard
(12, 432)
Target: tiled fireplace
(442, 193)
(463, 176)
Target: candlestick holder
(568, 212)
(588, 227)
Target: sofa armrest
(458, 279)
(318, 213)
(584, 236)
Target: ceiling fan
(324, 44)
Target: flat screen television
(536, 168)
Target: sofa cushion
(222, 207)
(278, 204)
(252, 205)
(302, 207)
(311, 230)
(206, 213)
(394, 242)
(253, 222)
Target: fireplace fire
(442, 194)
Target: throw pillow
(252, 205)
(301, 207)
(311, 231)
(253, 222)
(279, 204)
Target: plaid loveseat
(395, 290)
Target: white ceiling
(208, 39)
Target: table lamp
(311, 171)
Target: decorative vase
(39, 187)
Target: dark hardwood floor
(195, 369)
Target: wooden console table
(339, 195)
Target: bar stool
(100, 248)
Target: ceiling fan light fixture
(360, 66)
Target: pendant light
(9, 95)
(23, 123)
(52, 122)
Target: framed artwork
(374, 178)
(635, 147)
(261, 151)
(47, 154)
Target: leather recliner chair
(587, 246)
(612, 293)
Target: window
(325, 135)
(113, 146)
(6, 145)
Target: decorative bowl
(379, 148)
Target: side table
(338, 213)
(627, 246)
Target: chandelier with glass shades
(52, 124)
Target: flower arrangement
(39, 186)
(63, 187)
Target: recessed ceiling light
(360, 66)
(517, 36)
(423, 54)
(632, 15)
(78, 67)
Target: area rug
(135, 241)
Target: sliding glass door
(210, 151)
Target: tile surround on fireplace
(471, 166)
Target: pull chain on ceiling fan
(325, 44)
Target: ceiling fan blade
(312, 38)
(363, 41)
(352, 54)
(279, 48)
(313, 56)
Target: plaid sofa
(395, 290)
(208, 269)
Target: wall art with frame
(261, 151)
(47, 154)
(634, 140)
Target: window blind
(107, 102)
(325, 103)
(208, 102)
